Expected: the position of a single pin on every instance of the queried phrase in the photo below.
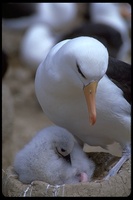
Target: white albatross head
(77, 63)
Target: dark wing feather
(120, 73)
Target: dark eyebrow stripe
(80, 71)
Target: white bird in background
(55, 157)
(109, 14)
(23, 15)
(65, 85)
(57, 15)
(35, 44)
(42, 23)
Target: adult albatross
(72, 86)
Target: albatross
(80, 88)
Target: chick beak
(90, 92)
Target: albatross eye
(79, 70)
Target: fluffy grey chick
(53, 156)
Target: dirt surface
(28, 117)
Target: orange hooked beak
(90, 92)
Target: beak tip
(92, 121)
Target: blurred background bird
(44, 25)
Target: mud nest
(119, 185)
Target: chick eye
(60, 151)
(79, 70)
(63, 150)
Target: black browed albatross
(66, 83)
